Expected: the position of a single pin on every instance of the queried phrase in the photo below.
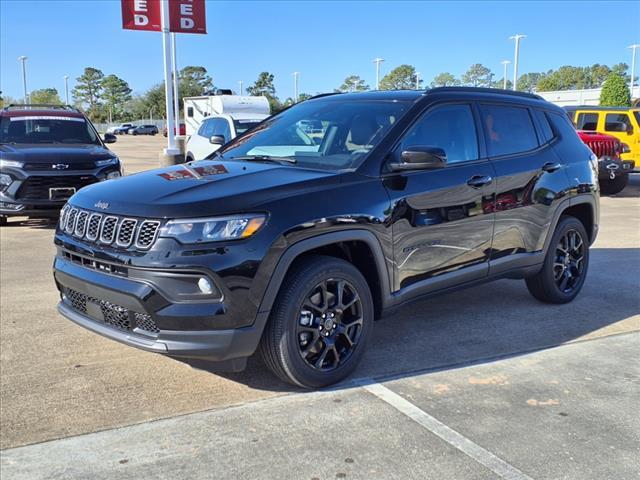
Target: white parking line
(455, 439)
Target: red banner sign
(187, 16)
(141, 15)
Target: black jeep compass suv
(47, 153)
(292, 242)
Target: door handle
(478, 181)
(551, 167)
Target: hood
(54, 153)
(204, 188)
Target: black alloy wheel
(330, 324)
(568, 268)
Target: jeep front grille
(109, 313)
(120, 232)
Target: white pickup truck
(212, 121)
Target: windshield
(636, 113)
(327, 134)
(46, 129)
(244, 125)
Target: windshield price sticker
(188, 174)
(46, 117)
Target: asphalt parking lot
(481, 383)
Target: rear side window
(547, 133)
(587, 121)
(563, 128)
(617, 122)
(509, 130)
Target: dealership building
(590, 96)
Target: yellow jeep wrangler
(621, 122)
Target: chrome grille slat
(120, 232)
(126, 232)
(81, 224)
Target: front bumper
(609, 168)
(104, 294)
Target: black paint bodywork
(412, 233)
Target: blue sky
(325, 41)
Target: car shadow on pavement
(487, 323)
(37, 223)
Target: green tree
(477, 76)
(597, 74)
(500, 84)
(193, 81)
(116, 93)
(88, 89)
(528, 82)
(615, 92)
(400, 78)
(263, 86)
(45, 95)
(353, 83)
(444, 79)
(6, 100)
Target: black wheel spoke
(568, 264)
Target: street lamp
(23, 59)
(295, 86)
(517, 37)
(504, 75)
(241, 83)
(633, 48)
(378, 61)
(66, 89)
(417, 80)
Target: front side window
(449, 127)
(509, 130)
(47, 129)
(617, 122)
(587, 121)
(325, 133)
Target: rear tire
(565, 265)
(320, 323)
(611, 187)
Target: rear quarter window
(508, 129)
(563, 128)
(547, 132)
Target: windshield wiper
(265, 158)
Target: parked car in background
(295, 248)
(121, 129)
(613, 172)
(143, 130)
(183, 130)
(217, 130)
(48, 153)
(620, 122)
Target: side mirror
(421, 158)
(109, 138)
(217, 140)
(630, 129)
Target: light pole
(295, 86)
(417, 80)
(241, 83)
(633, 48)
(176, 98)
(517, 37)
(504, 75)
(23, 59)
(66, 89)
(378, 61)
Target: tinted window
(46, 129)
(450, 127)
(563, 128)
(508, 130)
(617, 122)
(190, 112)
(244, 125)
(547, 133)
(587, 121)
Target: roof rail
(499, 91)
(22, 106)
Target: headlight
(199, 230)
(10, 163)
(5, 181)
(108, 161)
(624, 148)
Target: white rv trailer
(196, 109)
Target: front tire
(611, 187)
(320, 323)
(565, 265)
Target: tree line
(109, 98)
